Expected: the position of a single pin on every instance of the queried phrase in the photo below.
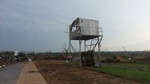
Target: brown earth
(58, 72)
(146, 59)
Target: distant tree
(65, 50)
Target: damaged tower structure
(89, 32)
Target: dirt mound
(58, 72)
(144, 59)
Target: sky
(41, 25)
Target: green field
(134, 65)
(141, 72)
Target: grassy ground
(134, 65)
(138, 75)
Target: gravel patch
(10, 74)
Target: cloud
(34, 24)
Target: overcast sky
(39, 25)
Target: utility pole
(124, 49)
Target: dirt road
(57, 72)
(30, 75)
